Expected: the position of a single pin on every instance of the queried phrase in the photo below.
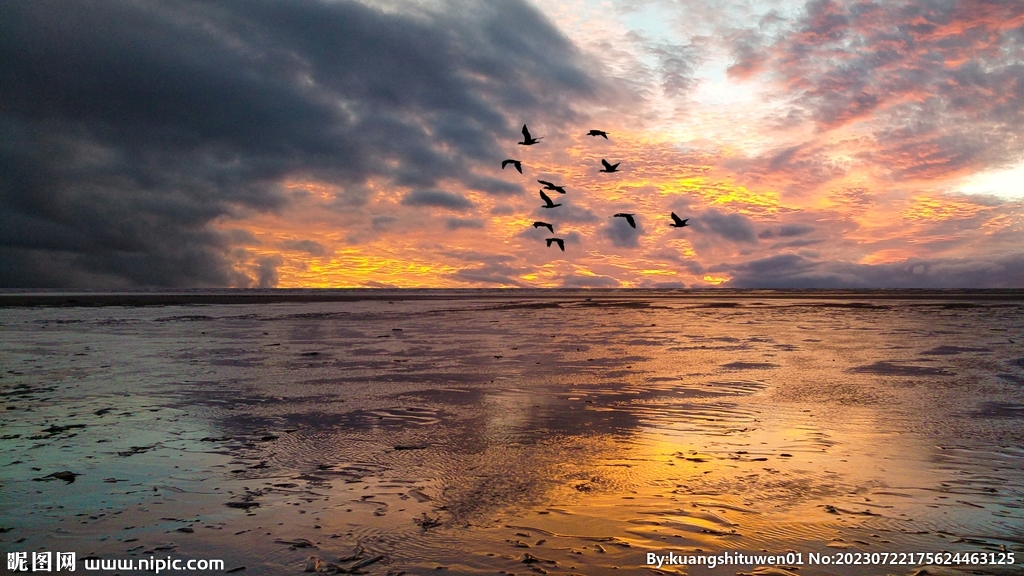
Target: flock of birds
(529, 140)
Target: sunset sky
(821, 144)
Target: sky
(336, 143)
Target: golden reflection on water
(582, 434)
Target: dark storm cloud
(437, 199)
(794, 271)
(127, 128)
(734, 227)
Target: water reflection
(477, 436)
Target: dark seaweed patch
(890, 369)
(1000, 410)
(749, 366)
(952, 350)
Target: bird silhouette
(609, 168)
(628, 217)
(559, 241)
(598, 133)
(544, 225)
(547, 201)
(516, 163)
(527, 139)
(677, 222)
(550, 186)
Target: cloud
(498, 273)
(309, 246)
(266, 271)
(734, 227)
(785, 231)
(939, 86)
(794, 271)
(675, 257)
(382, 222)
(127, 129)
(438, 199)
(457, 223)
(567, 212)
(503, 210)
(622, 234)
(492, 186)
(588, 281)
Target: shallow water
(473, 434)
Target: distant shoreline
(62, 298)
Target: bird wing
(605, 134)
(684, 222)
(676, 219)
(614, 166)
(629, 218)
(607, 166)
(561, 244)
(504, 163)
(545, 182)
(519, 166)
(545, 197)
(549, 240)
(526, 134)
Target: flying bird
(547, 201)
(598, 133)
(609, 167)
(550, 186)
(544, 225)
(628, 217)
(516, 163)
(559, 241)
(527, 139)
(677, 222)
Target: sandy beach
(519, 433)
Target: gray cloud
(785, 231)
(127, 128)
(735, 227)
(567, 212)
(382, 222)
(437, 199)
(492, 185)
(457, 223)
(622, 234)
(266, 271)
(309, 246)
(498, 273)
(794, 271)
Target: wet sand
(488, 433)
